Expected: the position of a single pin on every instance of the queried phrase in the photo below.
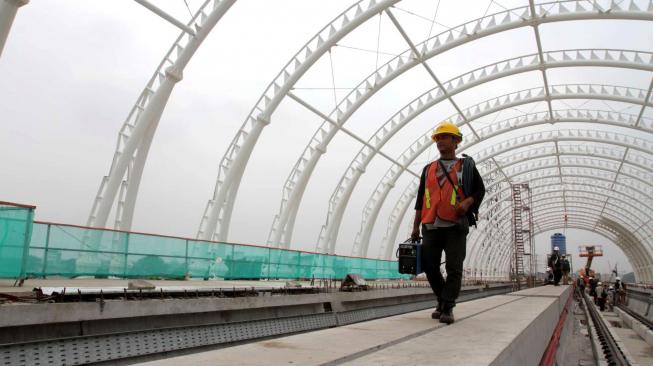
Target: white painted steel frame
(510, 100)
(591, 178)
(217, 215)
(474, 257)
(554, 59)
(372, 208)
(564, 58)
(490, 254)
(137, 132)
(639, 186)
(642, 183)
(139, 128)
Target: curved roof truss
(217, 216)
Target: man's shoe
(436, 314)
(447, 317)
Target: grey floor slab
(478, 340)
(336, 343)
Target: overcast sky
(71, 71)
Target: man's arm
(414, 236)
(478, 191)
(474, 200)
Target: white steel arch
(592, 222)
(482, 235)
(554, 59)
(635, 180)
(528, 120)
(589, 181)
(502, 214)
(489, 254)
(570, 180)
(614, 234)
(217, 215)
(419, 146)
(522, 157)
(137, 132)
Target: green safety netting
(15, 230)
(77, 251)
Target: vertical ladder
(530, 235)
(518, 235)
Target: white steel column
(8, 10)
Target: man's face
(446, 142)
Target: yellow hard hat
(447, 127)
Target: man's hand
(414, 236)
(463, 207)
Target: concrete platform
(501, 330)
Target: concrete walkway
(500, 330)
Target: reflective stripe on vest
(441, 201)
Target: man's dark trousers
(453, 241)
(557, 275)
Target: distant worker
(612, 296)
(617, 290)
(555, 262)
(622, 294)
(445, 211)
(602, 294)
(593, 284)
(565, 270)
(580, 283)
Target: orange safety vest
(441, 201)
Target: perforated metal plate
(83, 350)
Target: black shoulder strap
(446, 174)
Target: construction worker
(445, 209)
(602, 295)
(617, 288)
(622, 294)
(555, 262)
(593, 284)
(580, 283)
(565, 270)
(612, 296)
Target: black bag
(409, 257)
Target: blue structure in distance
(560, 241)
